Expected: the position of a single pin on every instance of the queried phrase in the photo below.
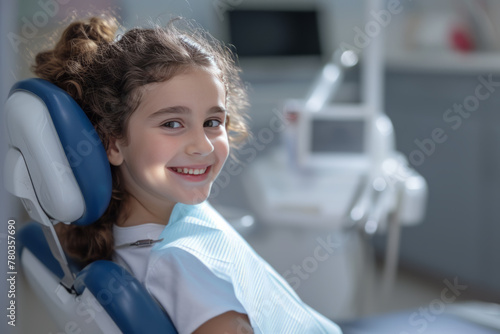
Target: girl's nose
(199, 143)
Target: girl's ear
(115, 156)
(228, 119)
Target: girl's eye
(212, 123)
(172, 124)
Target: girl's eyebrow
(217, 109)
(170, 111)
(183, 110)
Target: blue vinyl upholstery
(125, 299)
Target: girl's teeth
(191, 171)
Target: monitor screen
(270, 33)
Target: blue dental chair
(58, 167)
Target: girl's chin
(196, 198)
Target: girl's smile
(192, 173)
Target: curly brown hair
(104, 73)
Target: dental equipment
(342, 171)
(330, 78)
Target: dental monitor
(335, 137)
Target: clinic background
(436, 55)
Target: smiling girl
(168, 104)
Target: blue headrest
(82, 145)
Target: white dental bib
(271, 304)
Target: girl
(167, 105)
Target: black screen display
(274, 32)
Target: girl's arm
(227, 323)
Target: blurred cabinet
(460, 236)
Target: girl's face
(176, 140)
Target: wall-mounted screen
(268, 33)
